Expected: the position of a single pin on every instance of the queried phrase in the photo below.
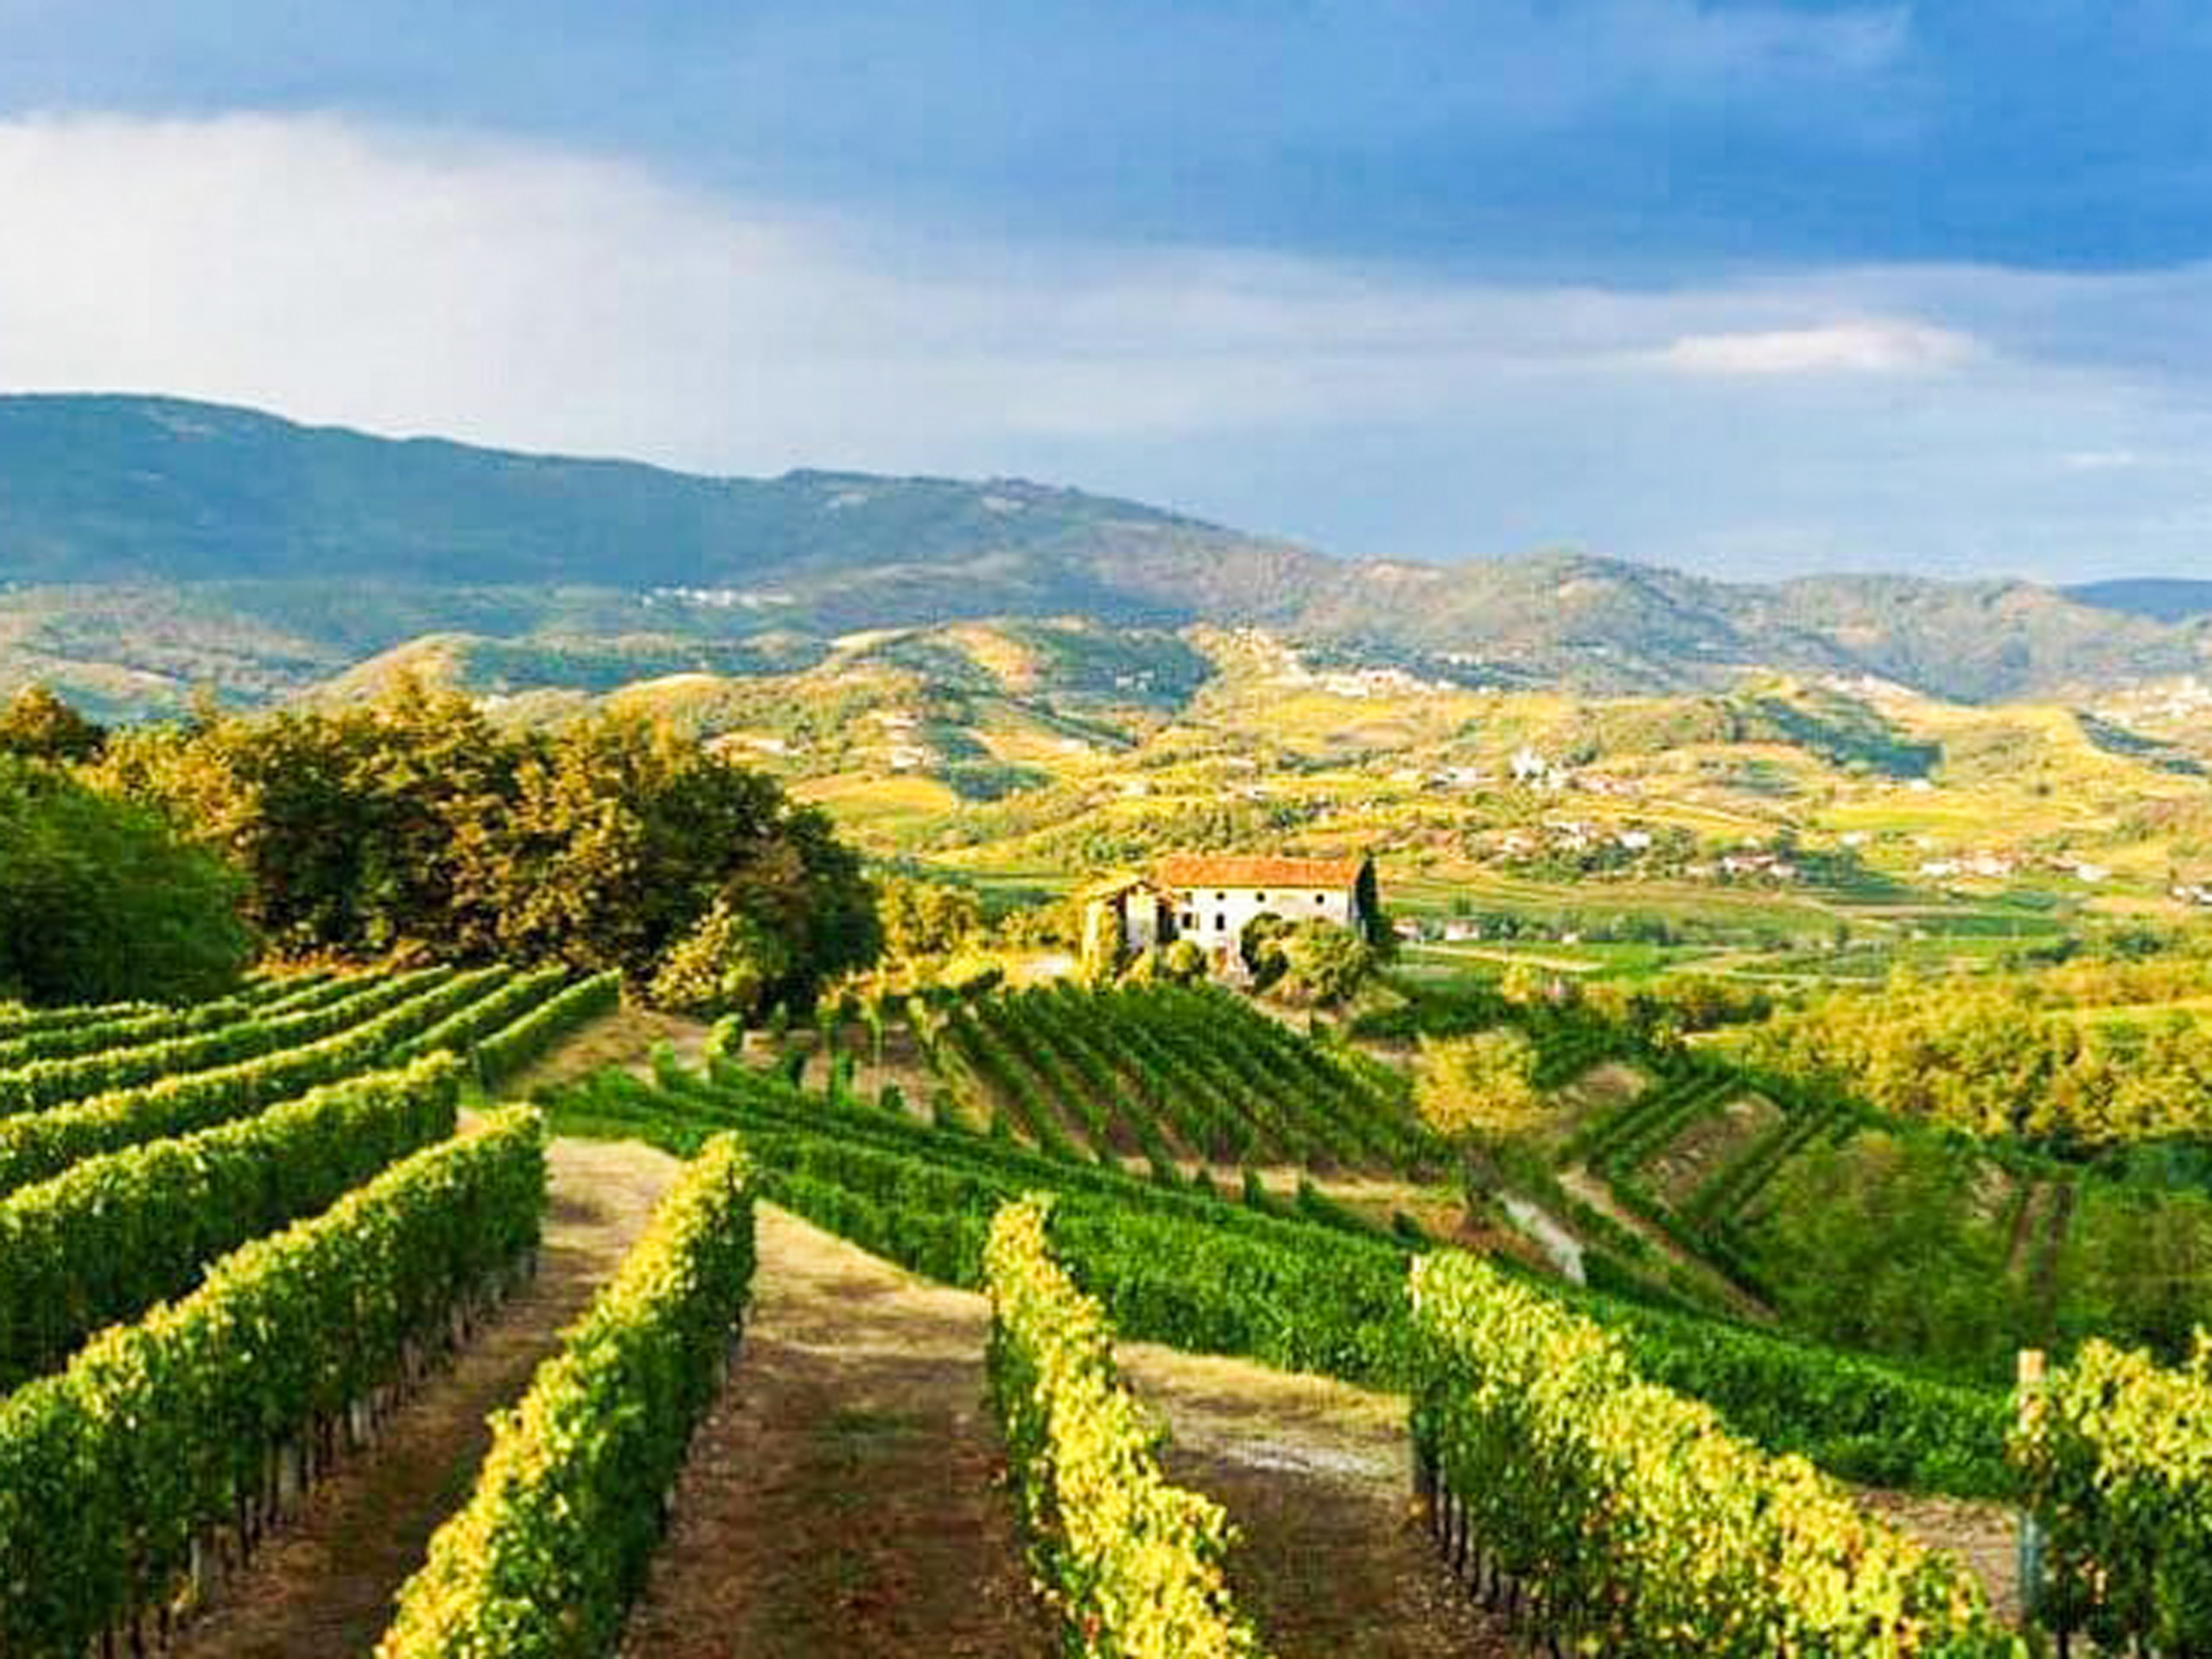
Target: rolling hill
(148, 544)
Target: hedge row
(1638, 1522)
(16, 1018)
(49, 1082)
(506, 1051)
(37, 1146)
(140, 1026)
(2116, 1453)
(457, 1032)
(1180, 1265)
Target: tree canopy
(414, 826)
(1479, 1091)
(41, 727)
(101, 901)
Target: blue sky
(1751, 289)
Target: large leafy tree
(1481, 1087)
(101, 901)
(926, 918)
(413, 825)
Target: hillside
(150, 545)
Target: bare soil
(902, 1067)
(1333, 1561)
(1985, 1536)
(1707, 1144)
(324, 1586)
(1605, 1088)
(845, 1497)
(1593, 1192)
(624, 1037)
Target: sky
(1749, 288)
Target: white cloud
(412, 280)
(1884, 345)
(407, 282)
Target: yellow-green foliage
(2116, 1454)
(1989, 1060)
(102, 1241)
(546, 1558)
(1482, 1087)
(111, 1469)
(36, 1146)
(1642, 1524)
(1131, 1564)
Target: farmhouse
(1131, 912)
(1209, 901)
(1214, 898)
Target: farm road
(1333, 1561)
(843, 1498)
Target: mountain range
(150, 543)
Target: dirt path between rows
(1333, 1563)
(323, 1587)
(845, 1498)
(625, 1036)
(1985, 1536)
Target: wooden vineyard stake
(2029, 1398)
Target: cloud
(1881, 347)
(406, 281)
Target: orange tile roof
(1200, 870)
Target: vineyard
(1693, 1180)
(235, 1237)
(245, 1241)
(1173, 1075)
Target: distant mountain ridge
(146, 541)
(2162, 598)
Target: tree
(1479, 1092)
(412, 826)
(1177, 962)
(722, 966)
(1105, 940)
(1181, 962)
(1260, 945)
(1324, 965)
(40, 726)
(1524, 983)
(100, 901)
(925, 918)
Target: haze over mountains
(148, 543)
